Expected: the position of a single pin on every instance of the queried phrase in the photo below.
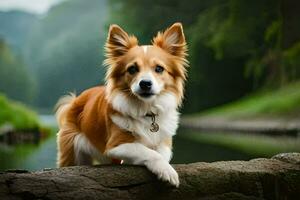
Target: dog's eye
(159, 69)
(133, 69)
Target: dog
(133, 117)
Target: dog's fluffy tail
(62, 107)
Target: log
(275, 178)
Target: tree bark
(276, 178)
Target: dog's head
(145, 72)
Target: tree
(15, 81)
(65, 49)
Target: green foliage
(291, 60)
(226, 48)
(15, 80)
(144, 18)
(239, 33)
(273, 33)
(16, 114)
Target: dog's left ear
(172, 40)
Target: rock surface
(276, 178)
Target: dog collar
(154, 125)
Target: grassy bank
(17, 114)
(282, 102)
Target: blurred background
(242, 95)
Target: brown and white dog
(133, 118)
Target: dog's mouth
(146, 94)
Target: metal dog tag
(154, 125)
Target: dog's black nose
(145, 85)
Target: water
(188, 151)
(37, 157)
(29, 156)
(48, 120)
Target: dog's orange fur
(90, 112)
(88, 115)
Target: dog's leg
(82, 150)
(65, 145)
(165, 152)
(165, 149)
(138, 154)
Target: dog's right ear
(118, 42)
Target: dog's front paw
(164, 171)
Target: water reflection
(36, 157)
(29, 156)
(188, 151)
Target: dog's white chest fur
(168, 124)
(134, 119)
